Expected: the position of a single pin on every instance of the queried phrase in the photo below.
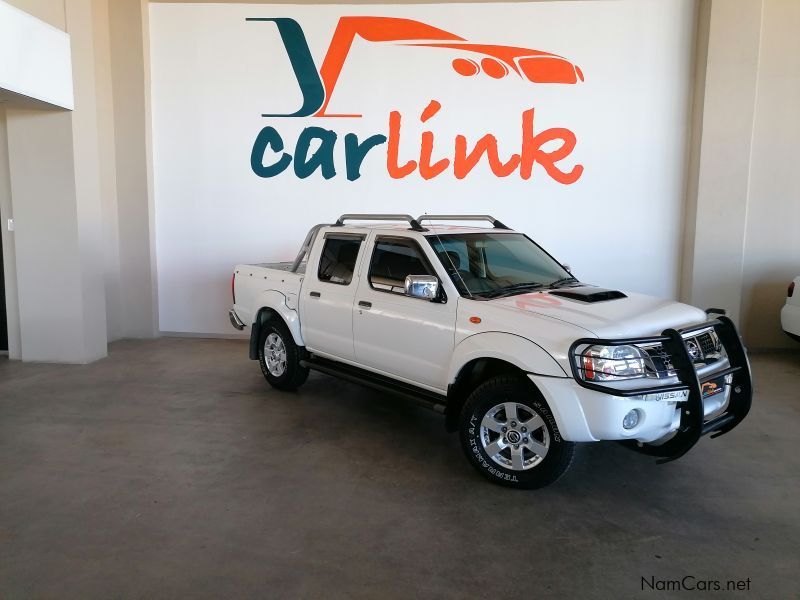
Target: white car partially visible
(790, 313)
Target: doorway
(3, 317)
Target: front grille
(662, 361)
(704, 349)
(706, 342)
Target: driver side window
(392, 260)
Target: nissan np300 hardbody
(483, 325)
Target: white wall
(213, 75)
(54, 170)
(772, 243)
(111, 155)
(107, 159)
(50, 11)
(128, 37)
(731, 72)
(54, 288)
(35, 58)
(743, 249)
(89, 171)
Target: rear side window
(392, 261)
(338, 260)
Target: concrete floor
(170, 469)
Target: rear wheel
(510, 436)
(280, 357)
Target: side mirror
(567, 267)
(422, 286)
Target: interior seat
(345, 262)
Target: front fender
(517, 350)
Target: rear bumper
(235, 320)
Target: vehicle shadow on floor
(404, 437)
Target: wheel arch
(273, 306)
(485, 355)
(471, 375)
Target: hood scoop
(589, 294)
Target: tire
(511, 402)
(280, 357)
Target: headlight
(613, 363)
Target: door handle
(314, 294)
(364, 304)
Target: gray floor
(170, 469)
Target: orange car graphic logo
(494, 60)
(498, 61)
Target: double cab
(483, 325)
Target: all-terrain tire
(280, 357)
(510, 435)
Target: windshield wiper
(563, 281)
(511, 289)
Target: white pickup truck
(485, 326)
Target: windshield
(490, 264)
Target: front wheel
(510, 436)
(280, 357)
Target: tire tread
(296, 374)
(488, 391)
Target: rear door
(328, 293)
(409, 338)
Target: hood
(606, 315)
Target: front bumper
(585, 415)
(667, 428)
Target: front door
(327, 295)
(409, 338)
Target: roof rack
(495, 223)
(379, 217)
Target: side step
(419, 396)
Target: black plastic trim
(417, 395)
(589, 295)
(264, 315)
(255, 332)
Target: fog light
(631, 420)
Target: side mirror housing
(567, 267)
(422, 286)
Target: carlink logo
(317, 85)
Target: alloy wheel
(514, 436)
